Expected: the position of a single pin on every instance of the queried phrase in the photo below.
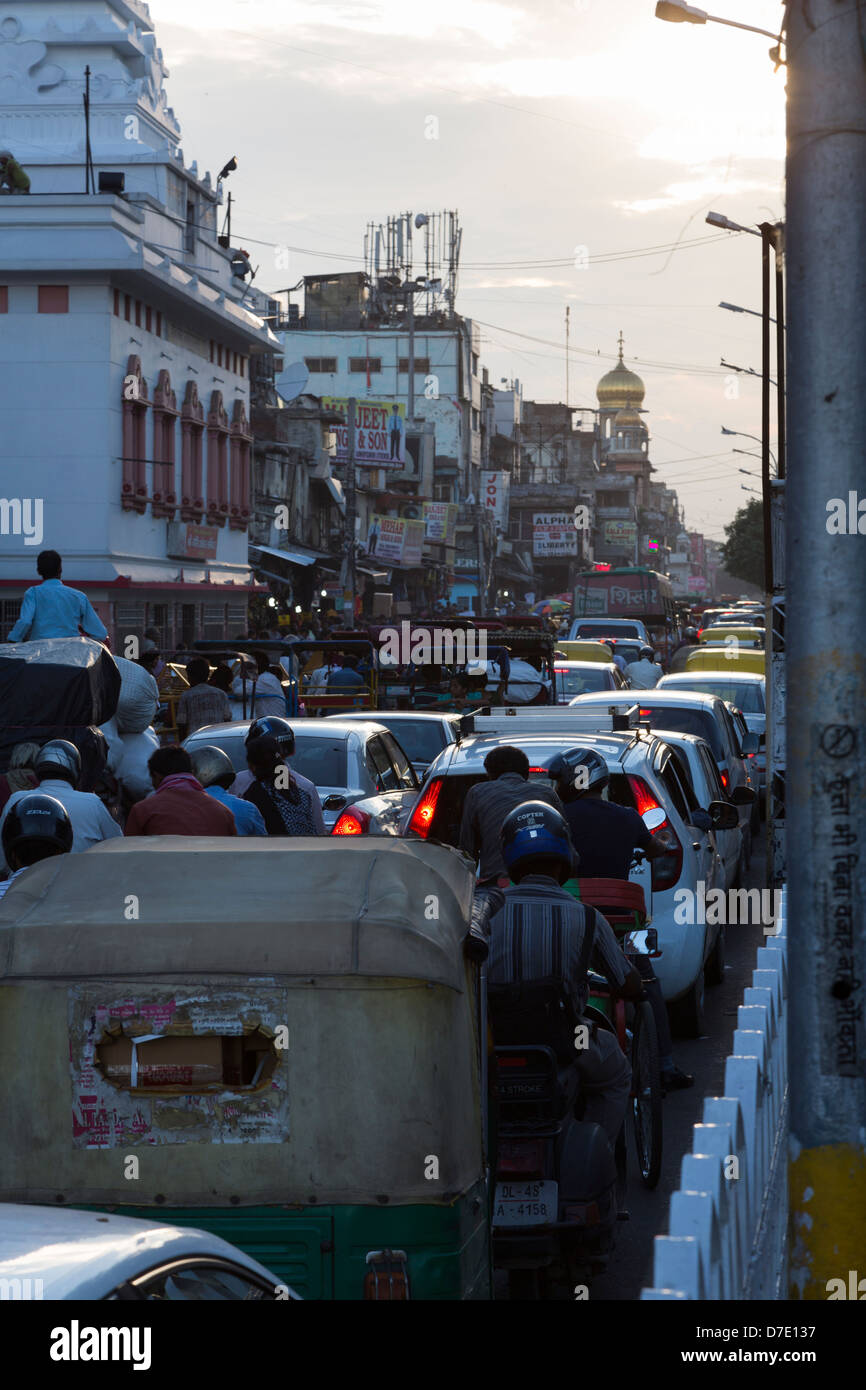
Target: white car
(365, 781)
(583, 677)
(745, 689)
(703, 780)
(63, 1254)
(645, 774)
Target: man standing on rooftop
(51, 609)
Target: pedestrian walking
(202, 703)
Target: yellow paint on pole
(827, 1201)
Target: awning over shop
(335, 488)
(290, 557)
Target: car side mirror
(334, 802)
(653, 818)
(751, 743)
(723, 815)
(743, 796)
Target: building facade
(125, 339)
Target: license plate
(525, 1203)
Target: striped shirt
(484, 810)
(540, 934)
(200, 705)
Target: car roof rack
(558, 720)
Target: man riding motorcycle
(542, 934)
(605, 836)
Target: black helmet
(578, 771)
(272, 726)
(690, 632)
(59, 758)
(532, 831)
(211, 765)
(646, 654)
(35, 827)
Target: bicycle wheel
(646, 1094)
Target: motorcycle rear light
(520, 1156)
(352, 822)
(542, 770)
(422, 816)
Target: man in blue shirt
(214, 770)
(51, 609)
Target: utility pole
(349, 590)
(567, 328)
(826, 609)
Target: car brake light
(352, 822)
(666, 869)
(724, 777)
(422, 816)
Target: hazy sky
(563, 125)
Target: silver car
(422, 734)
(365, 781)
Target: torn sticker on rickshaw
(172, 1067)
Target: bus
(628, 592)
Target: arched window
(165, 413)
(133, 496)
(217, 461)
(241, 448)
(191, 431)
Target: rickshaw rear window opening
(180, 1063)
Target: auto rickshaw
(726, 659)
(585, 650)
(280, 1042)
(746, 636)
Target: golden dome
(620, 389)
(628, 419)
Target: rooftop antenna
(89, 180)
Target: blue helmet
(535, 830)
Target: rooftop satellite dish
(292, 380)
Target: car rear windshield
(747, 696)
(687, 721)
(573, 683)
(322, 760)
(422, 739)
(613, 628)
(445, 825)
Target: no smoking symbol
(839, 740)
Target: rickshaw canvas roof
(375, 906)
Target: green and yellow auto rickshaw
(280, 1041)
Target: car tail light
(725, 780)
(422, 817)
(352, 822)
(520, 1156)
(667, 868)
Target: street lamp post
(677, 13)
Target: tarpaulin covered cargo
(52, 688)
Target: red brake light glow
(724, 777)
(352, 822)
(642, 795)
(422, 816)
